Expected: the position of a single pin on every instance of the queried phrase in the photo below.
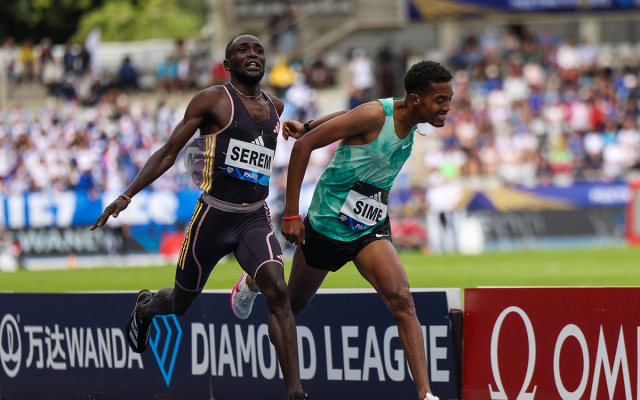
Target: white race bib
(364, 207)
(250, 156)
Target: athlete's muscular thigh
(380, 265)
(206, 242)
(258, 247)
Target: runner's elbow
(302, 146)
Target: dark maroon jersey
(234, 164)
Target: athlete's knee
(401, 303)
(276, 295)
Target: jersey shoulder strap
(388, 106)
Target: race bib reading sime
(249, 156)
(365, 206)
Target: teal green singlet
(377, 163)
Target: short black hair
(421, 75)
(227, 51)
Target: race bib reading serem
(364, 207)
(250, 156)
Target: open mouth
(441, 117)
(253, 66)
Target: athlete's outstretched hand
(292, 129)
(113, 210)
(293, 231)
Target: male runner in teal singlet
(238, 125)
(347, 219)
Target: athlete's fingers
(297, 231)
(286, 130)
(102, 219)
(94, 226)
(293, 128)
(112, 210)
(288, 231)
(296, 238)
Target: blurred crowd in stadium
(527, 110)
(532, 109)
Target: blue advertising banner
(73, 346)
(587, 194)
(557, 5)
(543, 5)
(81, 208)
(165, 208)
(576, 196)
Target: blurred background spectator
(127, 75)
(362, 79)
(9, 54)
(319, 75)
(168, 74)
(28, 61)
(301, 98)
(282, 75)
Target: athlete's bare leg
(379, 264)
(282, 325)
(168, 300)
(251, 283)
(304, 282)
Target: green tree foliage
(35, 19)
(129, 20)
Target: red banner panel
(551, 343)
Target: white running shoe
(431, 397)
(242, 298)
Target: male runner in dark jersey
(232, 160)
(347, 219)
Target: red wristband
(291, 218)
(127, 198)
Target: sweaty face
(434, 105)
(247, 60)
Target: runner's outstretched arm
(164, 157)
(296, 130)
(360, 121)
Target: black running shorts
(328, 254)
(218, 228)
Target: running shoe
(242, 298)
(431, 397)
(137, 331)
(301, 396)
